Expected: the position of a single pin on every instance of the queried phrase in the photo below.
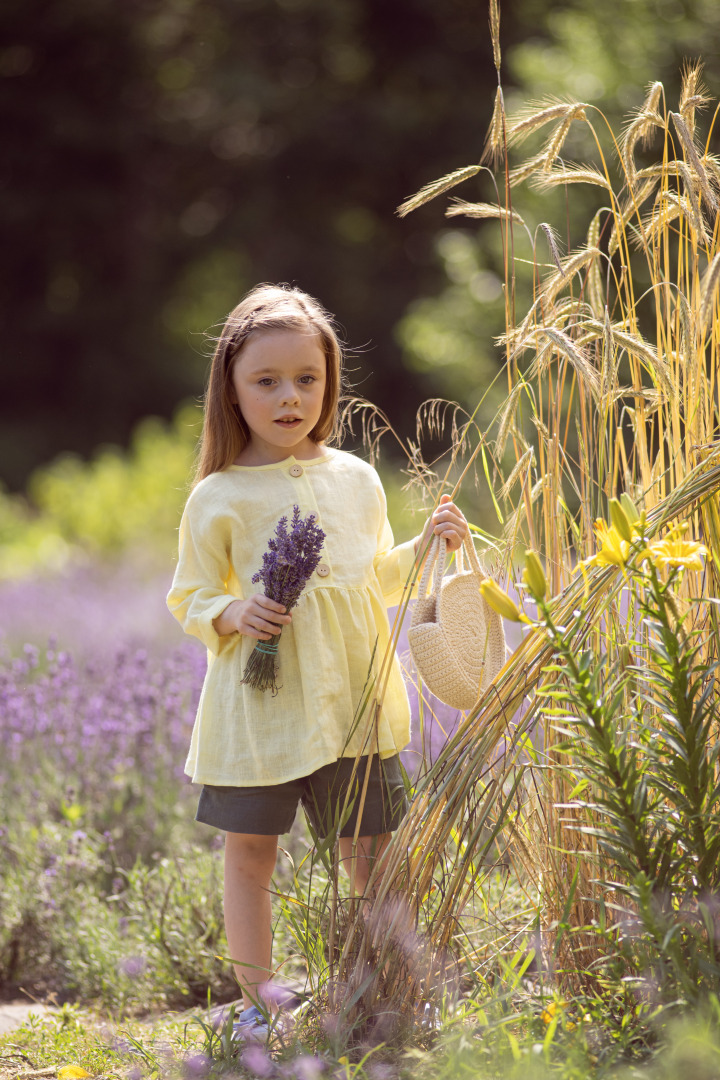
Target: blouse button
(296, 470)
(323, 570)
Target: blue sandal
(250, 1026)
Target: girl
(271, 413)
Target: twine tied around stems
(268, 646)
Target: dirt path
(14, 1013)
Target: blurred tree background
(159, 157)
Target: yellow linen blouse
(248, 737)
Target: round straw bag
(456, 639)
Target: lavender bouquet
(288, 563)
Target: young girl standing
(271, 411)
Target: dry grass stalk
(519, 472)
(536, 116)
(641, 129)
(460, 208)
(570, 175)
(548, 292)
(388, 957)
(437, 187)
(620, 393)
(495, 32)
(495, 138)
(695, 162)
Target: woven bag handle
(468, 549)
(435, 560)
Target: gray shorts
(270, 810)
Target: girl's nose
(289, 394)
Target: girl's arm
(393, 565)
(199, 598)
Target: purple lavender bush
(75, 923)
(93, 608)
(100, 744)
(288, 564)
(102, 868)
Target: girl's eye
(265, 382)
(307, 379)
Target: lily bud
(534, 575)
(620, 520)
(629, 507)
(499, 601)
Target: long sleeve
(392, 564)
(199, 591)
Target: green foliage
(584, 56)
(66, 1037)
(117, 500)
(122, 499)
(129, 500)
(27, 540)
(640, 755)
(450, 336)
(183, 152)
(76, 923)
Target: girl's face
(278, 381)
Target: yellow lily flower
(673, 551)
(613, 549)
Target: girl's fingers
(264, 630)
(447, 521)
(450, 523)
(271, 605)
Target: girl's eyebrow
(309, 368)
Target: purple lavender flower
(291, 558)
(80, 741)
(288, 563)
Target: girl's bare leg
(249, 865)
(369, 849)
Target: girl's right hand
(258, 617)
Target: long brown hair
(266, 307)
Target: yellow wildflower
(72, 1072)
(548, 1013)
(673, 551)
(613, 549)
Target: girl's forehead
(282, 346)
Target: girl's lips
(289, 421)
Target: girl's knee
(251, 854)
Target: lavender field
(98, 690)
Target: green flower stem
(623, 785)
(689, 775)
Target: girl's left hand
(447, 521)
